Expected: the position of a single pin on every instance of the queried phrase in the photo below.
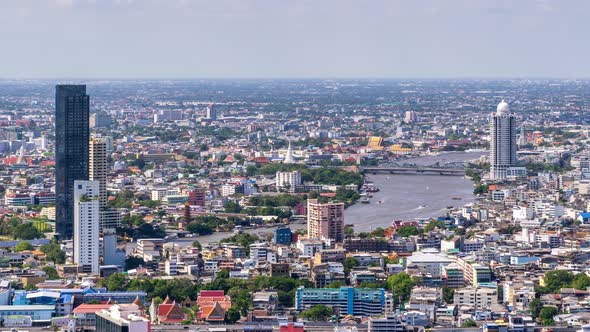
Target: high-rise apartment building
(502, 142)
(211, 112)
(86, 225)
(410, 117)
(111, 255)
(196, 197)
(71, 151)
(325, 220)
(97, 168)
(288, 180)
(98, 120)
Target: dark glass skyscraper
(72, 134)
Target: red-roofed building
(46, 163)
(397, 224)
(85, 313)
(229, 159)
(13, 160)
(262, 160)
(291, 327)
(170, 313)
(213, 305)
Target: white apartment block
(288, 180)
(86, 225)
(522, 213)
(478, 297)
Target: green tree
(136, 220)
(232, 207)
(244, 239)
(222, 274)
(408, 230)
(401, 285)
(348, 231)
(123, 199)
(54, 252)
(378, 232)
(546, 315)
(469, 323)
(448, 294)
(199, 228)
(197, 245)
(26, 231)
(346, 196)
(50, 272)
(535, 307)
(581, 281)
(480, 189)
(434, 224)
(116, 282)
(318, 312)
(133, 262)
(24, 245)
(349, 264)
(232, 315)
(558, 279)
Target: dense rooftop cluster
(228, 199)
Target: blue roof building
(584, 217)
(40, 314)
(345, 301)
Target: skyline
(187, 39)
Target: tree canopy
(50, 272)
(408, 230)
(401, 285)
(318, 312)
(546, 315)
(24, 245)
(54, 252)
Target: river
(407, 197)
(401, 195)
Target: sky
(294, 39)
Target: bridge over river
(452, 169)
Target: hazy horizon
(266, 39)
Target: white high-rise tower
(502, 141)
(86, 225)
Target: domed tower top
(502, 108)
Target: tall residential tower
(72, 133)
(211, 112)
(502, 142)
(325, 220)
(86, 225)
(97, 170)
